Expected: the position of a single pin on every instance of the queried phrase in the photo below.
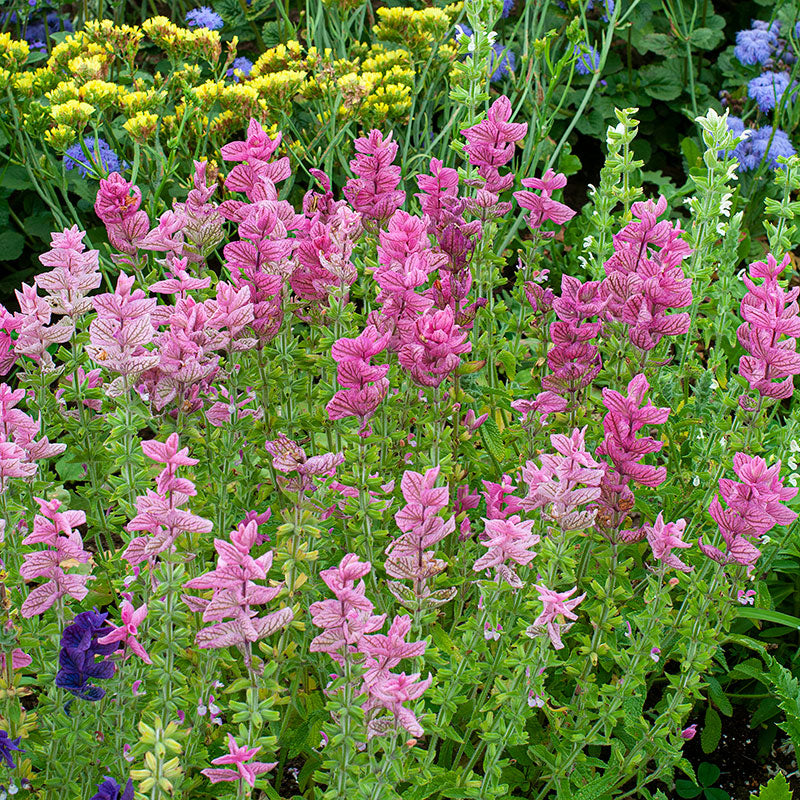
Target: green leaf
(712, 731)
(715, 793)
(687, 789)
(490, 434)
(767, 615)
(777, 789)
(662, 81)
(509, 362)
(598, 787)
(706, 38)
(707, 774)
(11, 245)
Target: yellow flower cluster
(133, 103)
(73, 114)
(417, 30)
(124, 39)
(13, 53)
(180, 43)
(142, 126)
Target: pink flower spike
(690, 732)
(557, 608)
(128, 630)
(663, 537)
(238, 756)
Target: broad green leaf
(712, 731)
(776, 789)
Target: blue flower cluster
(762, 44)
(109, 789)
(241, 63)
(502, 62)
(759, 144)
(204, 17)
(507, 6)
(768, 88)
(35, 30)
(589, 61)
(79, 648)
(103, 161)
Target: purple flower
(689, 733)
(754, 46)
(243, 64)
(588, 61)
(768, 88)
(508, 5)
(7, 746)
(501, 62)
(79, 647)
(103, 160)
(204, 17)
(109, 789)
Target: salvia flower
(644, 278)
(80, 646)
(542, 207)
(557, 608)
(288, 457)
(409, 556)
(128, 631)
(159, 513)
(7, 747)
(754, 507)
(663, 537)
(490, 144)
(625, 449)
(769, 332)
(236, 594)
(243, 768)
(58, 530)
(568, 479)
(508, 539)
(373, 192)
(109, 789)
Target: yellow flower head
(284, 56)
(13, 52)
(142, 126)
(60, 137)
(63, 93)
(89, 68)
(72, 113)
(99, 93)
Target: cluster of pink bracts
(287, 262)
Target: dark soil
(743, 766)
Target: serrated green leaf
(490, 434)
(776, 789)
(712, 731)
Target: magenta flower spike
(236, 592)
(127, 632)
(754, 507)
(508, 539)
(625, 449)
(557, 607)
(642, 283)
(663, 537)
(542, 207)
(243, 766)
(58, 530)
(568, 479)
(769, 331)
(160, 513)
(490, 144)
(373, 193)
